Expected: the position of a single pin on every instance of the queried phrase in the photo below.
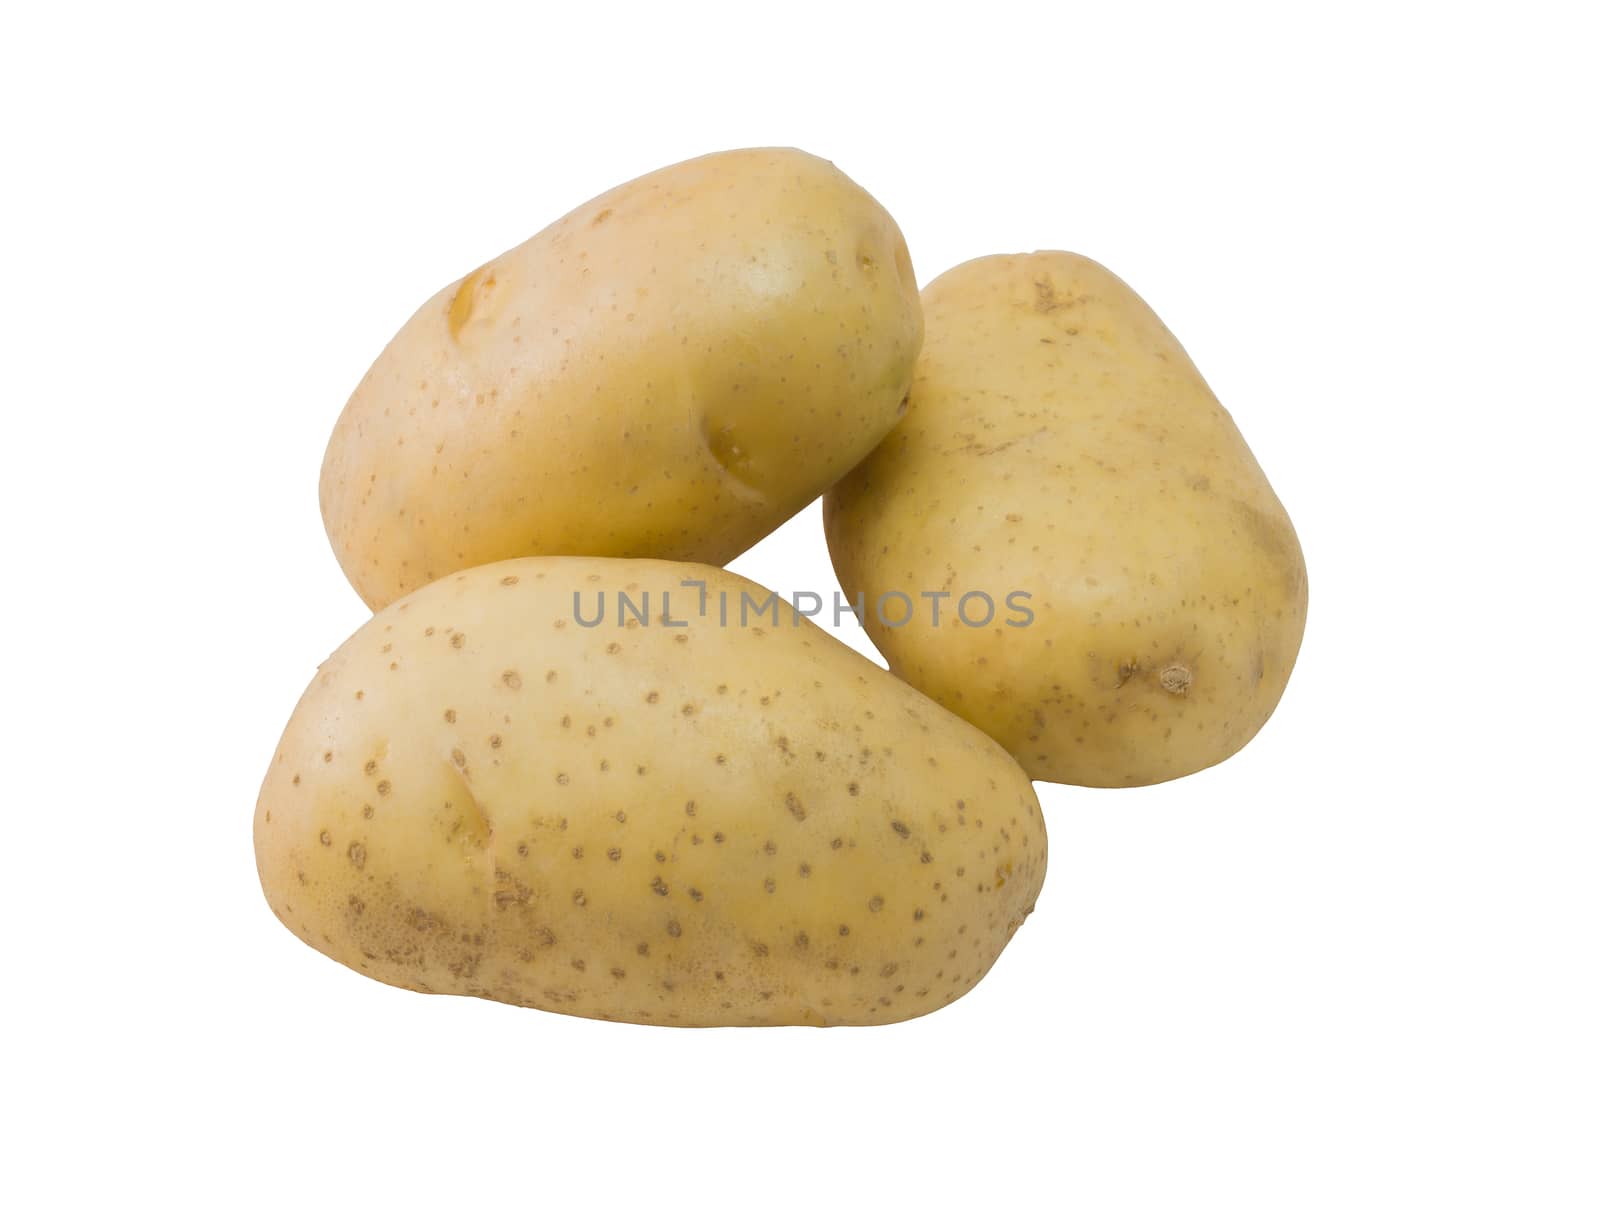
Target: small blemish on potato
(1176, 679)
(511, 679)
(357, 854)
(326, 839)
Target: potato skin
(670, 371)
(697, 825)
(1060, 442)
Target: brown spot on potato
(1176, 679)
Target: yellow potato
(684, 823)
(1061, 443)
(671, 370)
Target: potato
(666, 820)
(672, 370)
(1060, 443)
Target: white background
(1357, 964)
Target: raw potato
(693, 825)
(1060, 442)
(672, 370)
